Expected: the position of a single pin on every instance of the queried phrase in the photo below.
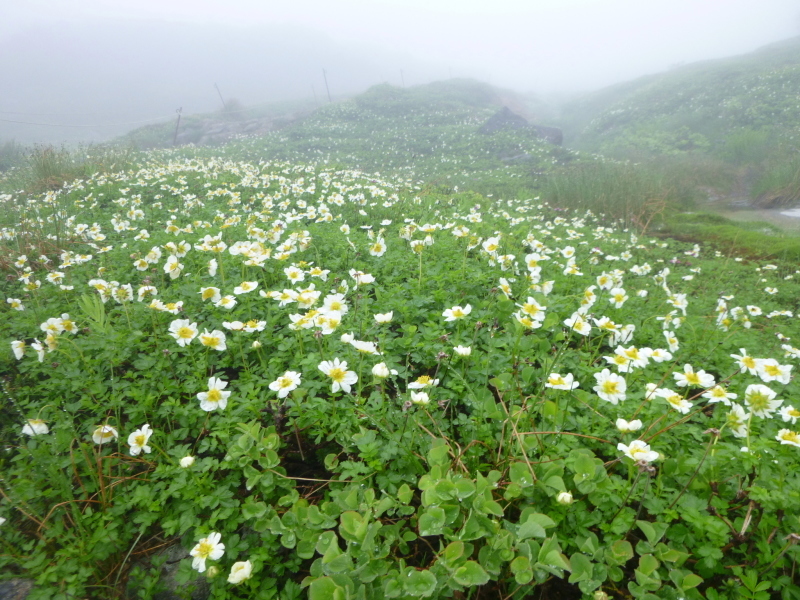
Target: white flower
(214, 339)
(240, 571)
(769, 370)
(564, 498)
(628, 426)
(285, 383)
(187, 461)
(138, 440)
(463, 350)
(215, 397)
(381, 371)
(207, 548)
(610, 386)
(104, 433)
(578, 323)
(760, 400)
(786, 436)
(420, 398)
(245, 287)
(790, 414)
(210, 293)
(720, 394)
(183, 331)
(337, 371)
(19, 349)
(422, 382)
(365, 347)
(384, 317)
(557, 382)
(737, 420)
(35, 427)
(457, 312)
(638, 450)
(693, 378)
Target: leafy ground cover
(326, 384)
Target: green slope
(721, 107)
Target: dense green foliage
(473, 440)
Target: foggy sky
(127, 60)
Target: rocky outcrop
(506, 120)
(211, 132)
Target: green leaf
(419, 583)
(439, 455)
(534, 526)
(648, 564)
(353, 526)
(691, 581)
(253, 510)
(582, 568)
(521, 569)
(471, 573)
(520, 474)
(325, 588)
(453, 552)
(653, 531)
(404, 493)
(619, 553)
(432, 521)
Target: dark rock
(169, 588)
(506, 120)
(550, 134)
(15, 589)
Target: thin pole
(175, 137)
(325, 76)
(225, 106)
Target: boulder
(506, 120)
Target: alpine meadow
(407, 344)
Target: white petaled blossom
(215, 398)
(736, 420)
(578, 323)
(35, 427)
(423, 382)
(421, 398)
(557, 382)
(692, 378)
(789, 437)
(18, 347)
(790, 414)
(207, 548)
(138, 440)
(186, 462)
(384, 317)
(183, 331)
(245, 287)
(638, 450)
(457, 312)
(381, 371)
(337, 370)
(214, 339)
(240, 571)
(463, 350)
(769, 369)
(564, 498)
(628, 426)
(720, 394)
(286, 383)
(761, 400)
(610, 386)
(104, 433)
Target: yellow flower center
(204, 549)
(214, 395)
(285, 382)
(610, 387)
(140, 440)
(337, 374)
(693, 378)
(186, 333)
(791, 436)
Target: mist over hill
(97, 79)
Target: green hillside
(710, 107)
(426, 133)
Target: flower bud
(212, 572)
(187, 461)
(564, 498)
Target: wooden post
(325, 76)
(225, 106)
(175, 137)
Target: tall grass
(47, 167)
(636, 194)
(779, 182)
